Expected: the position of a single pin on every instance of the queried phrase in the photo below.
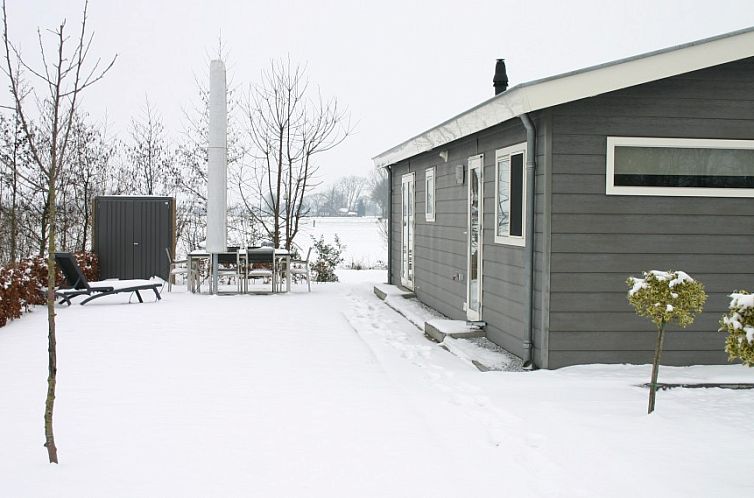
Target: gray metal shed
(131, 234)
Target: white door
(474, 242)
(407, 230)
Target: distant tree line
(352, 196)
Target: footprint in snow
(535, 440)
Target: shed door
(131, 236)
(474, 239)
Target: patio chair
(78, 285)
(300, 269)
(228, 265)
(260, 263)
(180, 267)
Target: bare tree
(379, 190)
(343, 195)
(352, 187)
(63, 74)
(333, 199)
(316, 204)
(14, 159)
(149, 168)
(90, 159)
(25, 199)
(287, 129)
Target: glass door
(474, 242)
(407, 230)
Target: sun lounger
(79, 286)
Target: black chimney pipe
(500, 81)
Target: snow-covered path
(334, 394)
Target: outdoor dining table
(281, 259)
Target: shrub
(739, 324)
(329, 256)
(665, 297)
(21, 283)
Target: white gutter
(568, 87)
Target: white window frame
(430, 173)
(512, 240)
(612, 189)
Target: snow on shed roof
(575, 85)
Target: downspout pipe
(531, 150)
(389, 225)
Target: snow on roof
(575, 85)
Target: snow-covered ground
(335, 394)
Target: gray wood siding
(503, 272)
(599, 240)
(441, 251)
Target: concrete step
(483, 354)
(440, 329)
(384, 290)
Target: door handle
(136, 243)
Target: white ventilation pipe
(217, 175)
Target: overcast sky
(401, 67)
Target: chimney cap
(500, 80)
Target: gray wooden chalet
(528, 212)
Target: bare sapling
(62, 76)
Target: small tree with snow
(329, 256)
(665, 297)
(739, 324)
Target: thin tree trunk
(14, 213)
(52, 367)
(85, 230)
(656, 367)
(14, 196)
(64, 222)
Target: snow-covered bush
(329, 256)
(739, 324)
(665, 297)
(20, 285)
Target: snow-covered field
(334, 394)
(361, 236)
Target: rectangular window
(429, 194)
(510, 195)
(680, 167)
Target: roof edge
(575, 85)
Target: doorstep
(384, 290)
(457, 329)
